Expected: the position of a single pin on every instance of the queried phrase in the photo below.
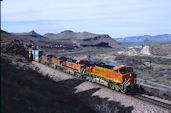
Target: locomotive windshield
(123, 71)
(130, 69)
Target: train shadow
(27, 91)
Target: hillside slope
(31, 34)
(81, 37)
(28, 37)
(162, 49)
(6, 36)
(67, 36)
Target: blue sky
(118, 18)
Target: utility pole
(0, 15)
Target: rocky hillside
(102, 44)
(81, 37)
(28, 37)
(31, 34)
(68, 34)
(64, 37)
(6, 36)
(162, 49)
(14, 46)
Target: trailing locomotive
(120, 78)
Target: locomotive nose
(132, 78)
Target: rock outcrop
(145, 51)
(14, 46)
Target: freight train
(119, 77)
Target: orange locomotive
(120, 78)
(52, 61)
(74, 67)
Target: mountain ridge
(63, 37)
(81, 37)
(139, 39)
(32, 34)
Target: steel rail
(153, 101)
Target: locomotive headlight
(135, 80)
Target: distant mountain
(81, 38)
(65, 37)
(5, 35)
(29, 37)
(139, 39)
(31, 34)
(68, 34)
(26, 35)
(149, 42)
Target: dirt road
(100, 98)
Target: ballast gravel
(134, 105)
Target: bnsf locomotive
(120, 78)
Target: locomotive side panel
(44, 58)
(75, 66)
(56, 61)
(106, 73)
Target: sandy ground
(136, 105)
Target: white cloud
(17, 10)
(90, 15)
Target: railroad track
(143, 98)
(153, 101)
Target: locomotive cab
(125, 70)
(128, 76)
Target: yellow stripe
(106, 77)
(70, 69)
